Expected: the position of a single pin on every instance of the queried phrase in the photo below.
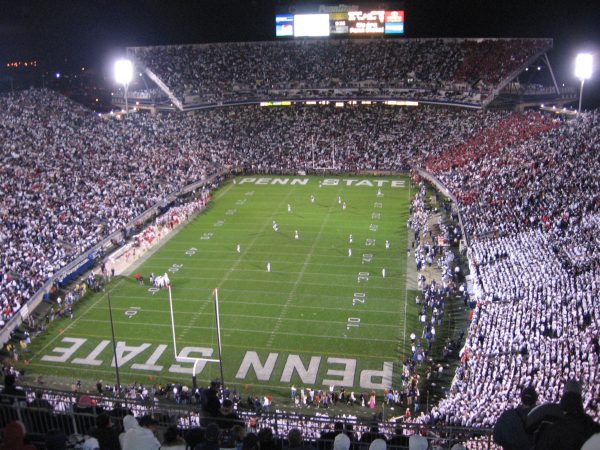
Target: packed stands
(93, 176)
(447, 70)
(498, 167)
(526, 184)
(531, 203)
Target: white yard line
(252, 330)
(237, 262)
(292, 293)
(255, 303)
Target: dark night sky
(92, 32)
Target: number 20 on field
(359, 297)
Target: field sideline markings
(406, 275)
(282, 283)
(258, 293)
(129, 323)
(131, 268)
(194, 318)
(339, 255)
(81, 317)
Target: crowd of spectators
(535, 325)
(533, 212)
(119, 425)
(527, 186)
(71, 178)
(424, 68)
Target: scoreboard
(340, 20)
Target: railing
(76, 414)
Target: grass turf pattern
(318, 317)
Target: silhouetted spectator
(227, 417)
(56, 439)
(107, 435)
(510, 429)
(172, 440)
(211, 438)
(574, 428)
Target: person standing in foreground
(575, 427)
(509, 431)
(139, 436)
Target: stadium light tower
(124, 75)
(583, 71)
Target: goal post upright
(218, 322)
(195, 361)
(172, 323)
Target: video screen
(311, 25)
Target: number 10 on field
(352, 322)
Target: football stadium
(318, 241)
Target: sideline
(123, 266)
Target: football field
(313, 295)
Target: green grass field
(319, 317)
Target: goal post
(197, 361)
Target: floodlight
(124, 75)
(583, 66)
(583, 71)
(123, 71)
